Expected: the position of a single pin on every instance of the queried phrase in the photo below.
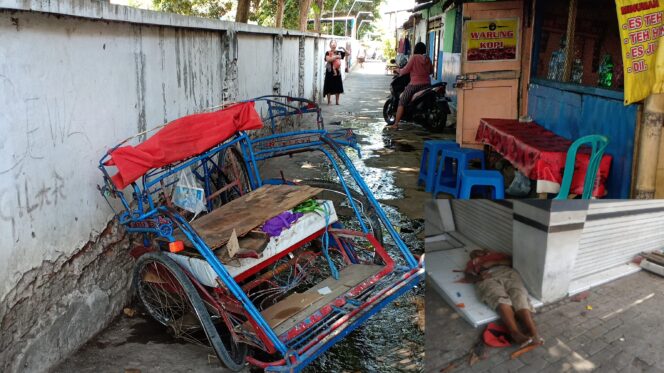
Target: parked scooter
(428, 107)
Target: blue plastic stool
(448, 180)
(432, 150)
(485, 178)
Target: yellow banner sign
(491, 40)
(641, 26)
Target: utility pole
(356, 27)
(348, 15)
(333, 9)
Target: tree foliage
(264, 12)
(199, 8)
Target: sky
(387, 20)
(145, 4)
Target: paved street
(389, 341)
(617, 328)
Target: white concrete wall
(105, 81)
(255, 65)
(73, 85)
(309, 68)
(546, 241)
(64, 106)
(289, 67)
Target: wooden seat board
(247, 212)
(297, 307)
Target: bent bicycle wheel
(170, 298)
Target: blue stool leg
(464, 193)
(432, 162)
(441, 173)
(437, 176)
(462, 164)
(499, 191)
(425, 170)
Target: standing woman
(420, 68)
(361, 57)
(333, 85)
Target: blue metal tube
(341, 179)
(285, 149)
(208, 189)
(288, 134)
(269, 110)
(412, 263)
(351, 200)
(252, 159)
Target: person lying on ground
(501, 288)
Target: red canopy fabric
(539, 153)
(181, 139)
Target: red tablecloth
(540, 154)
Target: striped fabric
(409, 91)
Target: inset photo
(544, 285)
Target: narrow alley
(389, 164)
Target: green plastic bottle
(606, 72)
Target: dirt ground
(389, 341)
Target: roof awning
(424, 5)
(413, 18)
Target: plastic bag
(188, 193)
(520, 186)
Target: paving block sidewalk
(619, 327)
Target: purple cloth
(274, 226)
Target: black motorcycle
(428, 107)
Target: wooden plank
(349, 277)
(247, 212)
(254, 241)
(287, 308)
(233, 245)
